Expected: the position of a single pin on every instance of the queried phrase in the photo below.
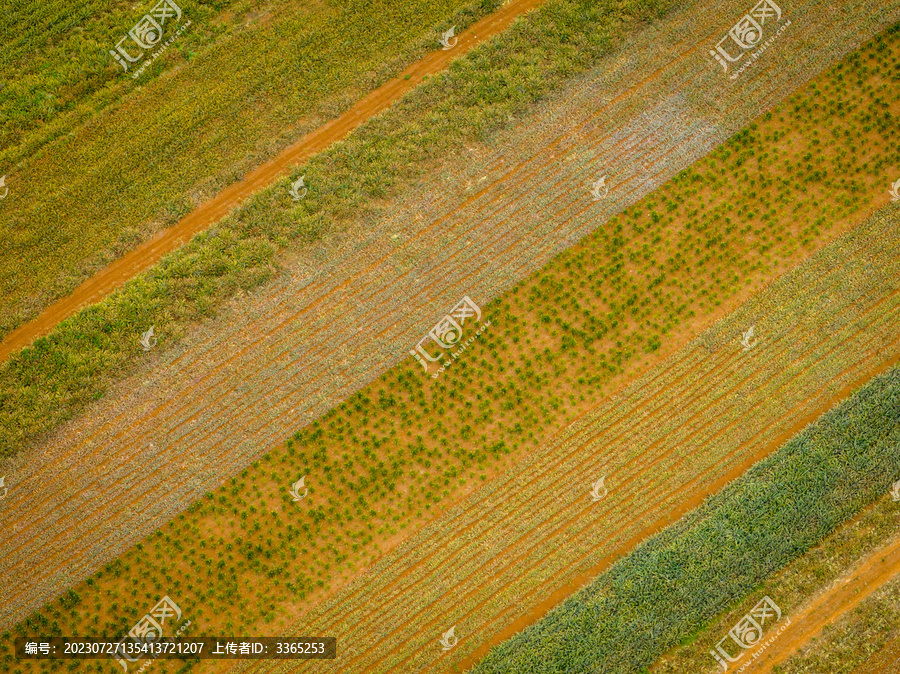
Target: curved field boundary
(671, 439)
(150, 252)
(353, 306)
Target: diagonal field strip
(878, 568)
(353, 306)
(667, 441)
(150, 252)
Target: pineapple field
(660, 384)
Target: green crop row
(668, 588)
(49, 381)
(557, 342)
(96, 161)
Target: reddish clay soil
(844, 595)
(150, 252)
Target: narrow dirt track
(150, 252)
(826, 608)
(352, 305)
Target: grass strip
(679, 580)
(48, 382)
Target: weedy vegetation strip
(563, 338)
(48, 382)
(97, 162)
(671, 585)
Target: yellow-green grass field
(96, 162)
(562, 340)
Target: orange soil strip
(698, 495)
(152, 251)
(842, 597)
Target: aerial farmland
(521, 336)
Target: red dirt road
(353, 304)
(843, 596)
(150, 252)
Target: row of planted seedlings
(574, 270)
(444, 572)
